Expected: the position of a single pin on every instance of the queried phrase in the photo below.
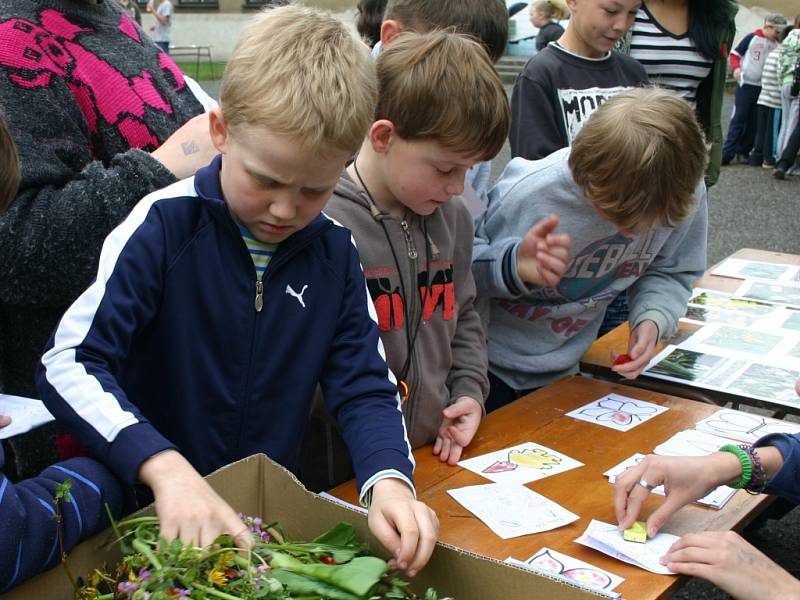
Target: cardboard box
(259, 487)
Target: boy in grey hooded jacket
(630, 194)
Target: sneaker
(743, 159)
(795, 170)
(779, 173)
(767, 165)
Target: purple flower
(127, 587)
(144, 575)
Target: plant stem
(211, 591)
(143, 548)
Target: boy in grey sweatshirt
(630, 194)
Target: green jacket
(709, 100)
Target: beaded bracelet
(747, 465)
(759, 480)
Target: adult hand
(406, 528)
(737, 74)
(4, 421)
(460, 422)
(187, 149)
(543, 256)
(685, 480)
(187, 507)
(641, 348)
(729, 562)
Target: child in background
(790, 54)
(563, 84)
(29, 543)
(769, 109)
(441, 109)
(486, 20)
(369, 16)
(630, 194)
(223, 300)
(542, 14)
(747, 61)
(790, 151)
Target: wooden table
(539, 417)
(597, 360)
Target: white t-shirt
(163, 32)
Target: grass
(203, 71)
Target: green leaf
(343, 534)
(300, 585)
(359, 576)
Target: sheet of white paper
(714, 299)
(552, 561)
(512, 510)
(520, 464)
(608, 540)
(742, 426)
(753, 269)
(786, 293)
(617, 412)
(691, 442)
(25, 413)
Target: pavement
(748, 208)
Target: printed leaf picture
(744, 340)
(767, 381)
(685, 364)
(792, 321)
(771, 292)
(725, 301)
(700, 314)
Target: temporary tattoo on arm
(190, 147)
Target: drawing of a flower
(620, 412)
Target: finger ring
(646, 485)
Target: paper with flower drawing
(512, 510)
(742, 426)
(716, 498)
(608, 539)
(520, 464)
(551, 561)
(617, 412)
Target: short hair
(550, 9)
(639, 158)
(9, 166)
(486, 20)
(300, 72)
(369, 16)
(442, 86)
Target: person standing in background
(162, 32)
(542, 14)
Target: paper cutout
(25, 413)
(691, 442)
(607, 539)
(520, 464)
(512, 510)
(617, 412)
(556, 563)
(744, 427)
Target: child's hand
(460, 422)
(406, 528)
(188, 508)
(4, 420)
(641, 348)
(543, 255)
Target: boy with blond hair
(223, 299)
(630, 194)
(441, 109)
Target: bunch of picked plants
(334, 565)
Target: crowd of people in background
(137, 213)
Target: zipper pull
(259, 303)
(412, 251)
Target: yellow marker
(637, 533)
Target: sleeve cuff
(132, 446)
(365, 495)
(656, 317)
(511, 277)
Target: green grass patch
(202, 71)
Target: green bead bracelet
(747, 465)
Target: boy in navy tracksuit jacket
(223, 299)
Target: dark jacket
(167, 348)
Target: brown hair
(551, 9)
(9, 166)
(300, 72)
(639, 158)
(442, 86)
(486, 20)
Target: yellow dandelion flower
(132, 577)
(217, 578)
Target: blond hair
(486, 20)
(551, 9)
(9, 166)
(302, 73)
(443, 86)
(639, 158)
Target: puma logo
(299, 296)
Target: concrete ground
(748, 208)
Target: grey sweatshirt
(536, 334)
